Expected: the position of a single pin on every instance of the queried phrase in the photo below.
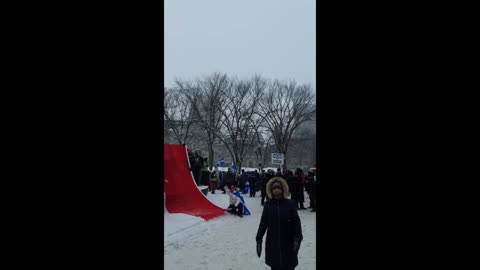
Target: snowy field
(228, 242)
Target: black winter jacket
(229, 179)
(295, 187)
(263, 184)
(281, 222)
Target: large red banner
(182, 194)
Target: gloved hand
(259, 248)
(296, 246)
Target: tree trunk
(284, 152)
(239, 166)
(210, 156)
(239, 163)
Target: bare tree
(207, 99)
(240, 119)
(265, 146)
(284, 107)
(177, 114)
(302, 146)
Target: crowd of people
(216, 180)
(282, 195)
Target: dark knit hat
(277, 185)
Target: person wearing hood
(281, 222)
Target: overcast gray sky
(275, 38)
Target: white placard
(277, 158)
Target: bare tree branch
(207, 100)
(177, 114)
(285, 107)
(240, 119)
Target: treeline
(240, 113)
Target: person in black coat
(242, 180)
(252, 181)
(279, 172)
(314, 195)
(222, 181)
(257, 175)
(295, 187)
(229, 179)
(301, 179)
(196, 164)
(263, 185)
(284, 231)
(311, 189)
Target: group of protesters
(297, 180)
(200, 168)
(278, 210)
(297, 183)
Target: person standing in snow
(295, 188)
(236, 205)
(279, 172)
(205, 176)
(252, 180)
(257, 175)
(242, 180)
(196, 163)
(282, 224)
(301, 179)
(263, 185)
(259, 181)
(222, 180)
(229, 179)
(214, 179)
(311, 189)
(314, 186)
(237, 179)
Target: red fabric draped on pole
(182, 194)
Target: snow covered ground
(227, 242)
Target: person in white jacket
(236, 205)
